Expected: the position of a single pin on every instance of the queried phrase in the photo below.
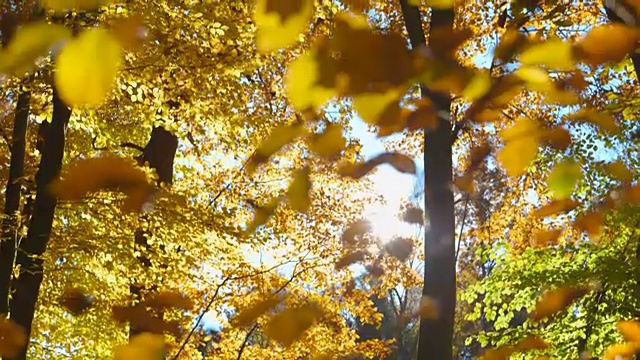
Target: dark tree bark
(26, 286)
(10, 222)
(436, 336)
(158, 154)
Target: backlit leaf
(280, 22)
(621, 351)
(86, 68)
(29, 43)
(350, 258)
(521, 146)
(65, 5)
(556, 300)
(291, 324)
(630, 330)
(564, 178)
(619, 171)
(439, 4)
(555, 54)
(262, 214)
(250, 314)
(590, 223)
(12, 338)
(531, 342)
(299, 191)
(554, 207)
(330, 143)
(129, 31)
(143, 346)
(277, 139)
(428, 308)
(609, 42)
(109, 172)
(301, 81)
(602, 119)
(546, 237)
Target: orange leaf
(289, 325)
(247, 316)
(630, 330)
(610, 42)
(621, 351)
(356, 229)
(545, 237)
(400, 162)
(591, 223)
(12, 338)
(619, 171)
(532, 342)
(500, 353)
(76, 302)
(413, 215)
(558, 138)
(556, 300)
(555, 207)
(428, 308)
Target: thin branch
(464, 218)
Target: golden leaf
(169, 299)
(556, 300)
(109, 172)
(301, 82)
(555, 207)
(276, 140)
(608, 43)
(531, 342)
(140, 317)
(621, 351)
(249, 315)
(439, 4)
(521, 146)
(29, 43)
(546, 237)
(129, 31)
(280, 22)
(591, 223)
(558, 138)
(350, 258)
(630, 330)
(400, 162)
(604, 120)
(86, 68)
(289, 325)
(12, 338)
(66, 5)
(428, 308)
(500, 353)
(262, 214)
(400, 248)
(619, 171)
(142, 346)
(298, 192)
(478, 87)
(465, 183)
(372, 107)
(555, 54)
(423, 117)
(330, 143)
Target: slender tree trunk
(158, 154)
(436, 336)
(11, 220)
(29, 256)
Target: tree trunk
(158, 154)
(10, 222)
(29, 256)
(436, 336)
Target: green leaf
(563, 179)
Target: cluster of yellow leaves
(143, 346)
(86, 66)
(630, 331)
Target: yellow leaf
(400, 162)
(247, 316)
(556, 300)
(289, 325)
(439, 4)
(371, 107)
(521, 146)
(621, 351)
(477, 87)
(262, 214)
(277, 139)
(301, 82)
(109, 172)
(29, 43)
(12, 338)
(330, 143)
(610, 42)
(143, 346)
(630, 330)
(535, 78)
(604, 120)
(280, 22)
(299, 191)
(86, 68)
(591, 223)
(499, 353)
(65, 5)
(555, 54)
